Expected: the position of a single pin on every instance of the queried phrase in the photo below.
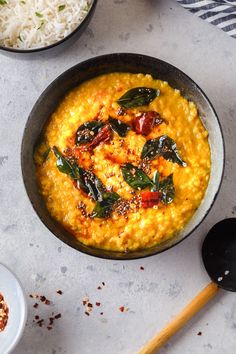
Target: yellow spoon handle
(180, 320)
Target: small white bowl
(14, 296)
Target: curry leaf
(167, 189)
(162, 146)
(86, 180)
(119, 127)
(91, 184)
(156, 178)
(87, 131)
(103, 209)
(64, 165)
(135, 177)
(45, 154)
(138, 96)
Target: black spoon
(219, 258)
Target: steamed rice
(38, 23)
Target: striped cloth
(221, 13)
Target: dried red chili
(103, 136)
(149, 199)
(144, 122)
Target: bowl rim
(112, 255)
(24, 310)
(71, 34)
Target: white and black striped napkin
(221, 13)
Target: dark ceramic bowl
(133, 63)
(68, 40)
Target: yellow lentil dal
(142, 227)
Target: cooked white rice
(38, 23)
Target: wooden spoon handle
(179, 321)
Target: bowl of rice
(28, 26)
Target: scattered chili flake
(40, 322)
(57, 316)
(42, 298)
(30, 295)
(124, 309)
(51, 320)
(36, 305)
(103, 283)
(59, 292)
(36, 317)
(99, 288)
(199, 333)
(49, 328)
(98, 304)
(101, 313)
(141, 268)
(47, 302)
(87, 313)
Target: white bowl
(14, 296)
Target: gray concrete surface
(44, 264)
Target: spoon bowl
(219, 254)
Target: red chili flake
(149, 199)
(145, 121)
(87, 313)
(90, 305)
(99, 288)
(30, 295)
(36, 305)
(51, 320)
(59, 292)
(49, 328)
(122, 308)
(42, 298)
(36, 317)
(101, 313)
(40, 323)
(57, 316)
(103, 136)
(142, 268)
(98, 303)
(47, 302)
(199, 333)
(103, 283)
